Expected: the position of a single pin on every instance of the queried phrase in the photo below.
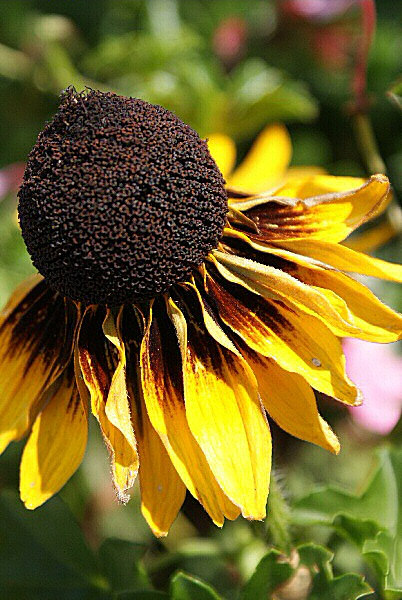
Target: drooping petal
(291, 402)
(117, 407)
(223, 150)
(371, 239)
(56, 445)
(163, 394)
(162, 490)
(376, 322)
(104, 377)
(298, 342)
(357, 306)
(274, 283)
(224, 414)
(211, 322)
(345, 259)
(307, 211)
(305, 188)
(37, 330)
(265, 164)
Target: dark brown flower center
(120, 199)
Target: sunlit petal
(56, 445)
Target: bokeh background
(231, 67)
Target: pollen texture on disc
(120, 199)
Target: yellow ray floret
(56, 446)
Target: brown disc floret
(120, 199)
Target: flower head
(177, 312)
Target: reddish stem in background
(359, 81)
(363, 129)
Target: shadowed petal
(103, 372)
(162, 490)
(37, 330)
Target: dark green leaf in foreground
(43, 554)
(271, 572)
(120, 560)
(372, 520)
(186, 587)
(345, 587)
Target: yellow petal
(365, 316)
(56, 445)
(224, 414)
(266, 162)
(318, 185)
(373, 238)
(108, 394)
(223, 151)
(376, 322)
(303, 172)
(162, 490)
(163, 395)
(37, 331)
(345, 259)
(298, 342)
(291, 402)
(210, 320)
(117, 407)
(305, 211)
(20, 292)
(274, 283)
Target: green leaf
(43, 554)
(371, 520)
(345, 587)
(186, 587)
(269, 574)
(121, 564)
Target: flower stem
(278, 516)
(367, 143)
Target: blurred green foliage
(57, 558)
(82, 545)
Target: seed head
(120, 199)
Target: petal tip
(380, 177)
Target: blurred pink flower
(11, 178)
(377, 371)
(229, 39)
(316, 10)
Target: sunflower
(178, 312)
